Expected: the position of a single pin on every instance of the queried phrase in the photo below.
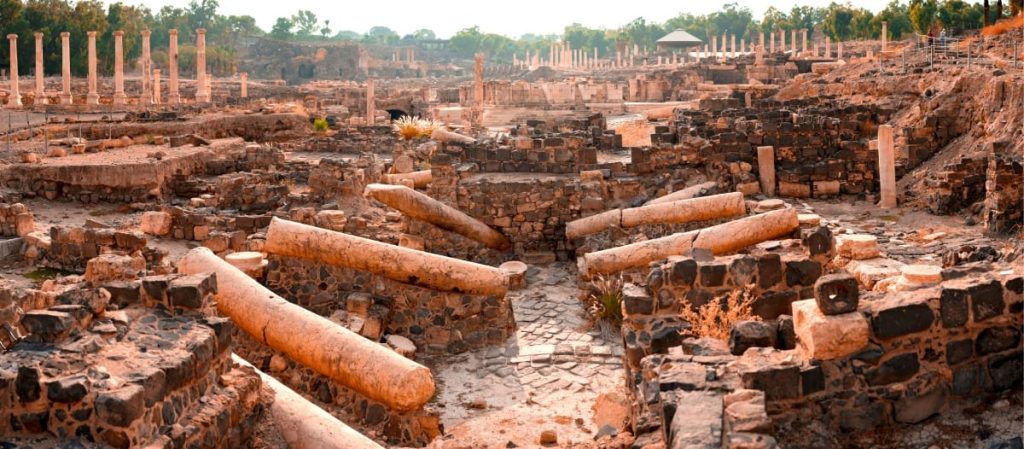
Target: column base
(205, 98)
(173, 99)
(92, 98)
(14, 101)
(66, 99)
(120, 99)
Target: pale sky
(511, 18)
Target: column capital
(38, 35)
(119, 33)
(172, 32)
(65, 34)
(200, 30)
(91, 34)
(146, 33)
(12, 37)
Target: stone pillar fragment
(245, 85)
(478, 90)
(371, 106)
(173, 96)
(828, 47)
(65, 68)
(792, 43)
(886, 167)
(766, 169)
(156, 86)
(804, 31)
(771, 41)
(93, 96)
(885, 36)
(119, 97)
(146, 64)
(14, 99)
(40, 71)
(202, 87)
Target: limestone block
(872, 271)
(24, 224)
(824, 337)
(156, 223)
(113, 267)
(516, 272)
(334, 220)
(401, 345)
(857, 246)
(56, 152)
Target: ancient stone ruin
(753, 246)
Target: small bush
(715, 320)
(320, 125)
(606, 304)
(1004, 26)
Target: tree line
(840, 21)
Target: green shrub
(320, 125)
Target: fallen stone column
(687, 193)
(423, 207)
(443, 135)
(288, 238)
(420, 178)
(719, 239)
(682, 211)
(312, 340)
(303, 424)
(686, 211)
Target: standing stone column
(839, 51)
(766, 169)
(743, 46)
(173, 97)
(828, 47)
(245, 85)
(771, 41)
(886, 167)
(804, 31)
(14, 100)
(371, 105)
(478, 90)
(147, 67)
(732, 45)
(40, 72)
(93, 97)
(782, 40)
(156, 86)
(759, 55)
(885, 36)
(792, 43)
(202, 95)
(119, 97)
(714, 46)
(760, 40)
(65, 68)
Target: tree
(201, 13)
(774, 20)
(731, 19)
(326, 29)
(957, 15)
(922, 15)
(806, 17)
(895, 13)
(305, 22)
(381, 35)
(283, 28)
(347, 35)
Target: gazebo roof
(679, 37)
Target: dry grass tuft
(409, 128)
(1004, 26)
(715, 320)
(606, 304)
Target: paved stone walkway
(547, 377)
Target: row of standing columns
(150, 78)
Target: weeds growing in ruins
(409, 128)
(320, 125)
(606, 303)
(1003, 26)
(714, 319)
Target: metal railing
(947, 50)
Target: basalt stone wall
(773, 279)
(957, 186)
(334, 177)
(16, 220)
(530, 211)
(820, 150)
(70, 248)
(380, 139)
(256, 192)
(253, 157)
(214, 229)
(187, 393)
(1004, 188)
(437, 322)
(927, 346)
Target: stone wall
(437, 322)
(1004, 191)
(70, 248)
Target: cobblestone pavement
(547, 377)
